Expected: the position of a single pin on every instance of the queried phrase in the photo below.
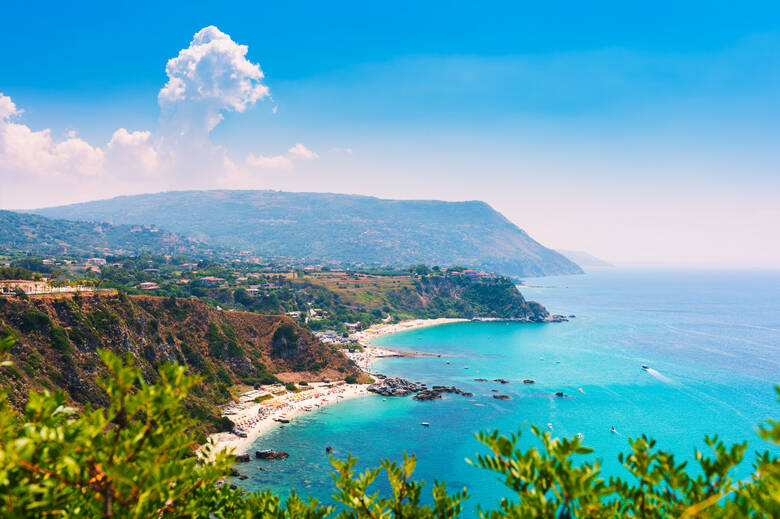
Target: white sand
(253, 419)
(364, 337)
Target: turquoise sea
(711, 339)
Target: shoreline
(254, 419)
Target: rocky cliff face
(58, 338)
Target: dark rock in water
(270, 454)
(242, 458)
(399, 387)
(494, 390)
(281, 420)
(242, 477)
(502, 397)
(480, 380)
(233, 486)
(329, 449)
(555, 318)
(436, 392)
(560, 394)
(234, 473)
(427, 394)
(501, 380)
(395, 386)
(572, 316)
(528, 381)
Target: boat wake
(660, 376)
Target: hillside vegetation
(29, 233)
(366, 297)
(58, 338)
(346, 229)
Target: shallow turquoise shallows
(711, 341)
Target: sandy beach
(252, 419)
(364, 337)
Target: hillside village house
(148, 285)
(211, 281)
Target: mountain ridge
(335, 227)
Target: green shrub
(59, 339)
(350, 379)
(224, 424)
(290, 387)
(33, 320)
(223, 376)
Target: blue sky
(638, 133)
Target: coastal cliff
(58, 337)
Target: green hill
(35, 234)
(349, 229)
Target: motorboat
(425, 424)
(645, 367)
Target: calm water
(712, 340)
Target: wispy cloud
(297, 152)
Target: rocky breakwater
(396, 386)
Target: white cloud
(209, 76)
(25, 151)
(7, 107)
(297, 152)
(301, 152)
(131, 152)
(276, 162)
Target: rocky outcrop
(502, 397)
(436, 391)
(242, 458)
(528, 381)
(395, 386)
(271, 454)
(427, 394)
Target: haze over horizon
(637, 136)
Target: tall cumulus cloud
(208, 78)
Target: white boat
(425, 424)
